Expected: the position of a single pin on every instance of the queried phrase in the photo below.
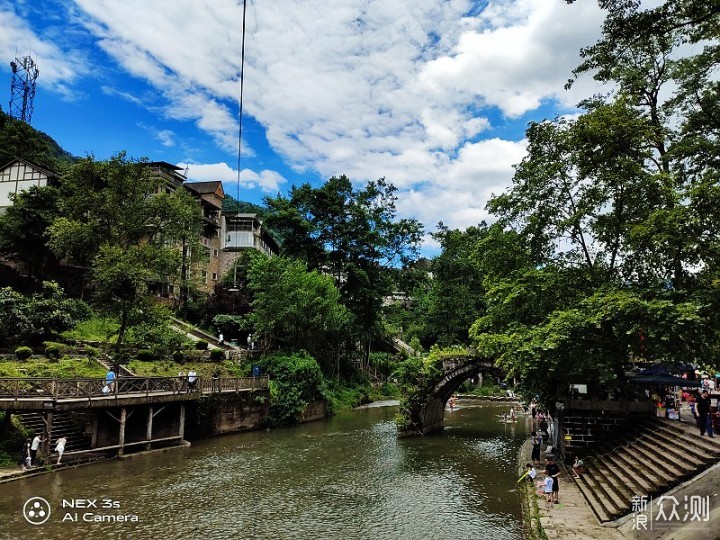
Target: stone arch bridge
(426, 410)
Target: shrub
(295, 381)
(201, 345)
(145, 356)
(52, 351)
(179, 357)
(23, 353)
(217, 355)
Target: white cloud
(59, 68)
(410, 90)
(268, 181)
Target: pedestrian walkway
(572, 518)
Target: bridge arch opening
(455, 372)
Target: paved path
(574, 519)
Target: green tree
(618, 208)
(39, 317)
(295, 382)
(24, 228)
(119, 218)
(456, 296)
(353, 235)
(295, 309)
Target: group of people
(549, 485)
(188, 381)
(29, 457)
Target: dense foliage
(352, 235)
(295, 381)
(19, 139)
(109, 223)
(617, 210)
(39, 317)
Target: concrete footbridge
(425, 406)
(130, 413)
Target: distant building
(19, 175)
(202, 260)
(221, 240)
(211, 195)
(245, 231)
(224, 236)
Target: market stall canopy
(665, 379)
(666, 369)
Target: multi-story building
(223, 237)
(201, 262)
(244, 231)
(211, 195)
(19, 175)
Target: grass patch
(344, 395)
(64, 368)
(168, 368)
(95, 329)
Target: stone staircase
(196, 334)
(106, 361)
(647, 458)
(63, 426)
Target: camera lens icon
(36, 510)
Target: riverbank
(573, 517)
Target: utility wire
(240, 119)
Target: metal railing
(46, 388)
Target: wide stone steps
(648, 459)
(63, 426)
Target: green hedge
(23, 353)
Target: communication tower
(22, 94)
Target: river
(346, 478)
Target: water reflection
(346, 478)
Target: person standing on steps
(221, 339)
(34, 446)
(704, 414)
(552, 470)
(25, 458)
(60, 448)
(110, 380)
(536, 441)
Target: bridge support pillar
(93, 441)
(123, 421)
(148, 433)
(47, 434)
(182, 422)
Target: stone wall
(585, 423)
(216, 415)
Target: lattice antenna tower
(22, 91)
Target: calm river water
(347, 478)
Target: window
(216, 253)
(203, 275)
(214, 276)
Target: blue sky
(434, 96)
